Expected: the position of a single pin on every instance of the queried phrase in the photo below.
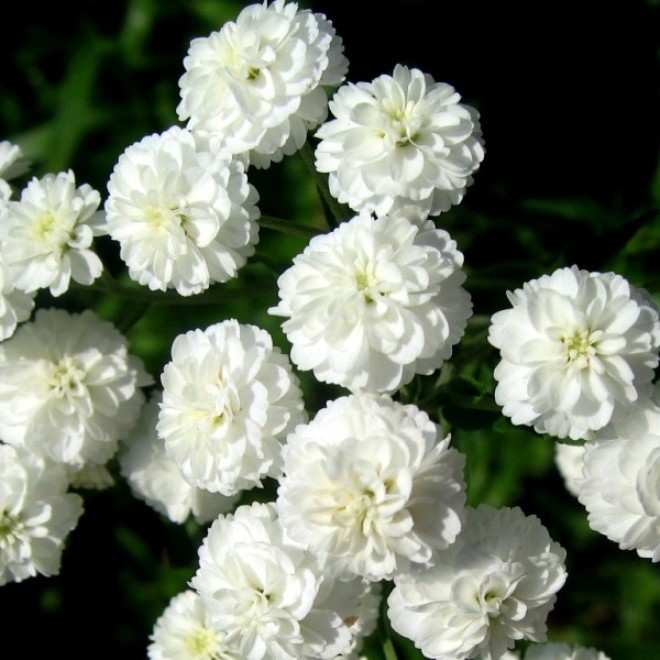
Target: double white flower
(182, 211)
(400, 142)
(496, 584)
(371, 486)
(229, 399)
(375, 302)
(36, 514)
(576, 347)
(258, 83)
(268, 594)
(69, 389)
(46, 237)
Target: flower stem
(287, 227)
(339, 212)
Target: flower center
(404, 123)
(579, 347)
(66, 379)
(49, 229)
(9, 525)
(202, 643)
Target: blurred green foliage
(570, 176)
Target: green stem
(340, 212)
(287, 227)
(383, 625)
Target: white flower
(12, 164)
(155, 478)
(374, 302)
(15, 305)
(184, 632)
(569, 460)
(46, 237)
(268, 594)
(258, 82)
(230, 397)
(558, 651)
(371, 485)
(183, 212)
(68, 387)
(36, 514)
(494, 585)
(621, 482)
(575, 347)
(400, 141)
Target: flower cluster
(370, 488)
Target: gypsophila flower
(400, 141)
(15, 305)
(68, 387)
(155, 478)
(258, 83)
(558, 651)
(496, 584)
(36, 514)
(46, 237)
(268, 593)
(12, 164)
(184, 632)
(575, 347)
(230, 397)
(620, 487)
(183, 212)
(372, 486)
(375, 302)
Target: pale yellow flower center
(203, 644)
(579, 347)
(65, 378)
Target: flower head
(620, 487)
(182, 211)
(184, 632)
(230, 397)
(494, 585)
(46, 237)
(371, 486)
(156, 478)
(36, 514)
(68, 387)
(400, 141)
(268, 594)
(575, 347)
(374, 302)
(258, 82)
